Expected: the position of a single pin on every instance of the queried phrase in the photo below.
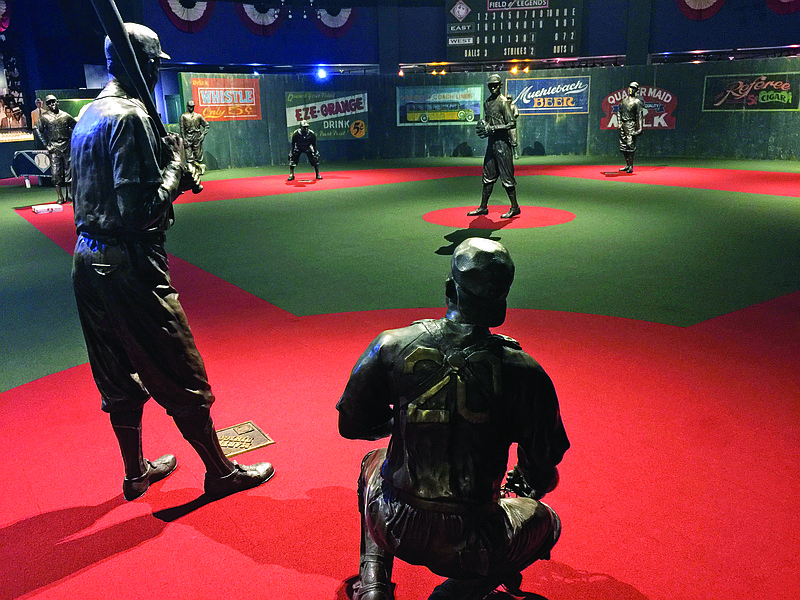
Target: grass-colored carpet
(672, 255)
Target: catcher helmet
(482, 271)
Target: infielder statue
(194, 129)
(54, 130)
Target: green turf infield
(655, 253)
(665, 254)
(39, 329)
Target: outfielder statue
(497, 124)
(631, 123)
(194, 129)
(304, 141)
(54, 130)
(454, 397)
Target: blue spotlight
(322, 73)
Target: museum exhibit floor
(665, 305)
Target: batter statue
(497, 124)
(631, 122)
(454, 397)
(194, 129)
(137, 335)
(54, 130)
(304, 141)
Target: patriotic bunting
(698, 10)
(335, 25)
(187, 15)
(261, 19)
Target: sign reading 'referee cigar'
(770, 91)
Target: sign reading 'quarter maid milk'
(659, 108)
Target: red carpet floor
(531, 216)
(682, 482)
(753, 182)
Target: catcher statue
(454, 397)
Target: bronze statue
(304, 141)
(514, 132)
(631, 122)
(54, 130)
(454, 397)
(194, 129)
(497, 123)
(137, 335)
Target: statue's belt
(455, 508)
(116, 239)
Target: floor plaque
(242, 438)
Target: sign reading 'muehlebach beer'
(513, 29)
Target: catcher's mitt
(515, 484)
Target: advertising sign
(224, 98)
(551, 96)
(659, 107)
(332, 115)
(772, 91)
(438, 105)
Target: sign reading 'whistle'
(212, 97)
(223, 98)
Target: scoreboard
(501, 30)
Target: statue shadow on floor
(459, 235)
(43, 549)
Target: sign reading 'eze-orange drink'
(226, 98)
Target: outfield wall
(724, 109)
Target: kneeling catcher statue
(454, 397)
